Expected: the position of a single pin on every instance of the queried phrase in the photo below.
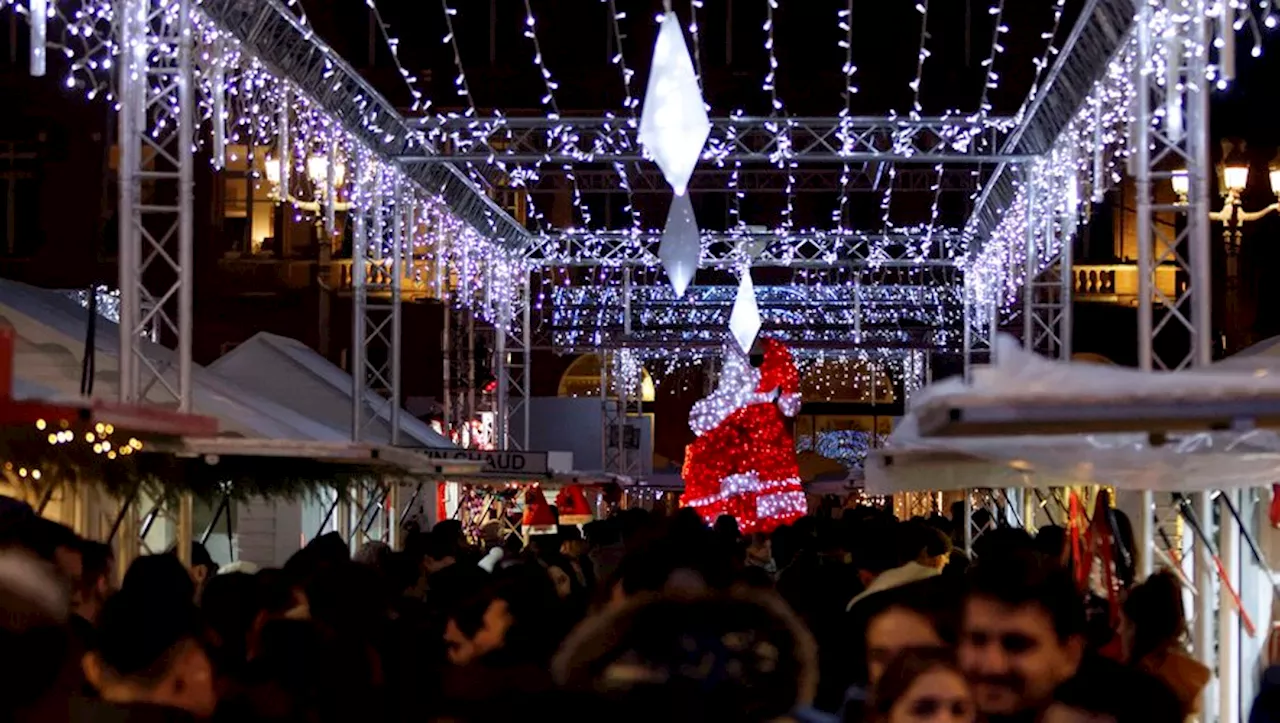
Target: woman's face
(938, 696)
(892, 632)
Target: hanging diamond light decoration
(681, 247)
(673, 125)
(744, 321)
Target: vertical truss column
(620, 402)
(515, 359)
(979, 333)
(1046, 300)
(156, 168)
(376, 325)
(1175, 329)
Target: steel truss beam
(537, 140)
(376, 280)
(867, 178)
(882, 316)
(276, 36)
(813, 249)
(156, 172)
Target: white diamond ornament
(681, 247)
(744, 321)
(673, 124)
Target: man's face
(1013, 656)
(893, 631)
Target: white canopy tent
(293, 375)
(1029, 421)
(49, 345)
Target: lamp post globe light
(1234, 179)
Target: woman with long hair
(922, 685)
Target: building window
(249, 223)
(19, 200)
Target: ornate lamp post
(1234, 176)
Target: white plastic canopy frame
(1103, 440)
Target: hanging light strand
(782, 156)
(629, 104)
(553, 109)
(420, 102)
(517, 176)
(844, 20)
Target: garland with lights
(743, 462)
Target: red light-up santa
(743, 462)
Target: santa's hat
(572, 505)
(538, 518)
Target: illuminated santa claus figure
(743, 462)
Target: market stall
(1205, 440)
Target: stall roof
(50, 330)
(340, 453)
(1032, 421)
(292, 374)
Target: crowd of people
(856, 617)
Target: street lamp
(1234, 174)
(325, 208)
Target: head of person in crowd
(926, 545)
(229, 603)
(203, 568)
(998, 543)
(917, 615)
(922, 685)
(510, 622)
(692, 654)
(97, 563)
(162, 576)
(149, 653)
(571, 542)
(1022, 633)
(277, 596)
(1153, 630)
(1051, 541)
(440, 550)
(33, 635)
(875, 549)
(1107, 692)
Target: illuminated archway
(582, 379)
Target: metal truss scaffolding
(156, 167)
(810, 249)
(621, 406)
(1046, 294)
(735, 139)
(514, 352)
(1174, 332)
(377, 273)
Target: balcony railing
(1118, 283)
(266, 275)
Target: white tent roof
(292, 374)
(49, 330)
(1135, 430)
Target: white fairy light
(420, 102)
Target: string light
(844, 20)
(630, 103)
(997, 48)
(743, 462)
(420, 102)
